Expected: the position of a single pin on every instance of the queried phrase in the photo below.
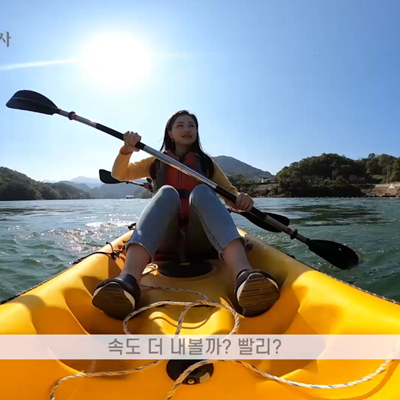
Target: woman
(184, 216)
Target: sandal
(256, 292)
(117, 297)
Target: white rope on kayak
(191, 368)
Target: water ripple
(38, 239)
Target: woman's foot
(117, 297)
(256, 292)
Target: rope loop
(114, 254)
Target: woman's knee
(169, 195)
(200, 193)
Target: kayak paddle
(106, 177)
(32, 101)
(337, 254)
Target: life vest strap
(183, 223)
(183, 193)
(182, 246)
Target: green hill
(231, 167)
(332, 175)
(327, 175)
(114, 191)
(17, 186)
(118, 191)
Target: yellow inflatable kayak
(310, 303)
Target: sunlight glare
(116, 60)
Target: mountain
(90, 182)
(81, 186)
(15, 185)
(106, 191)
(231, 166)
(118, 191)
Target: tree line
(17, 186)
(327, 175)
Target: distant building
(386, 189)
(265, 180)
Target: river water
(38, 239)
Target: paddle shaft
(133, 183)
(183, 168)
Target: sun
(116, 60)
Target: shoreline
(254, 197)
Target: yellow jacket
(124, 170)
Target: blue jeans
(210, 224)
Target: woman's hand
(148, 186)
(244, 202)
(130, 140)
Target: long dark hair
(206, 163)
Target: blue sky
(270, 81)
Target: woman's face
(184, 130)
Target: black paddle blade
(337, 254)
(105, 177)
(32, 101)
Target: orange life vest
(183, 183)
